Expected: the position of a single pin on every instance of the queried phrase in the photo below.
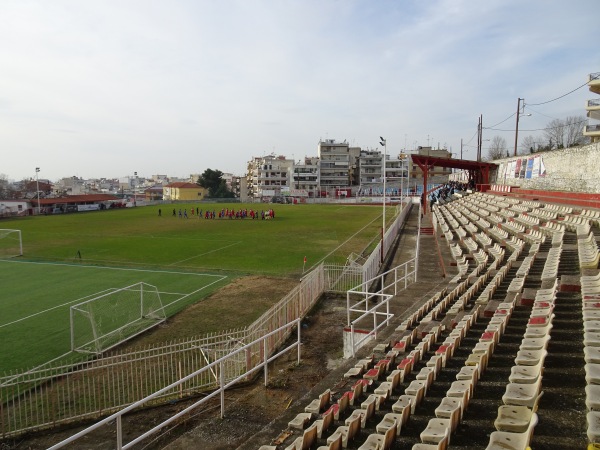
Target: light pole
(37, 185)
(384, 144)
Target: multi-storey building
(593, 109)
(337, 164)
(415, 170)
(369, 167)
(305, 177)
(267, 175)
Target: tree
(216, 185)
(529, 144)
(497, 148)
(574, 130)
(555, 133)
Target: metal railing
(215, 366)
(399, 278)
(592, 128)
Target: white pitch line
(335, 249)
(114, 268)
(54, 307)
(205, 253)
(222, 277)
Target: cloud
(182, 86)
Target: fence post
(221, 384)
(266, 361)
(299, 342)
(119, 433)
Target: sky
(109, 88)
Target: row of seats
(589, 255)
(590, 291)
(517, 417)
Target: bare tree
(574, 130)
(497, 149)
(555, 134)
(529, 144)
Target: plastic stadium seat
(436, 431)
(502, 440)
(317, 405)
(450, 408)
(306, 441)
(347, 432)
(515, 419)
(380, 441)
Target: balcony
(593, 131)
(594, 82)
(593, 109)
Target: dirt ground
(248, 408)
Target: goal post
(11, 243)
(113, 317)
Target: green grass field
(186, 259)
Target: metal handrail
(117, 417)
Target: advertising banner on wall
(517, 168)
(529, 169)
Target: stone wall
(575, 169)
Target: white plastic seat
(592, 373)
(515, 419)
(535, 343)
(405, 402)
(530, 357)
(593, 430)
(300, 421)
(347, 432)
(592, 354)
(592, 397)
(436, 431)
(392, 420)
(503, 440)
(450, 408)
(418, 388)
(306, 441)
(521, 394)
(526, 374)
(379, 441)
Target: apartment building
(305, 177)
(592, 130)
(266, 175)
(337, 164)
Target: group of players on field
(225, 213)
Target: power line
(538, 129)
(490, 128)
(541, 114)
(564, 95)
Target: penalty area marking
(96, 294)
(123, 269)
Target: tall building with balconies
(305, 177)
(338, 164)
(593, 109)
(266, 175)
(370, 167)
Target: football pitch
(69, 259)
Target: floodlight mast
(37, 186)
(383, 143)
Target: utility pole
(517, 124)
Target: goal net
(113, 317)
(11, 244)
